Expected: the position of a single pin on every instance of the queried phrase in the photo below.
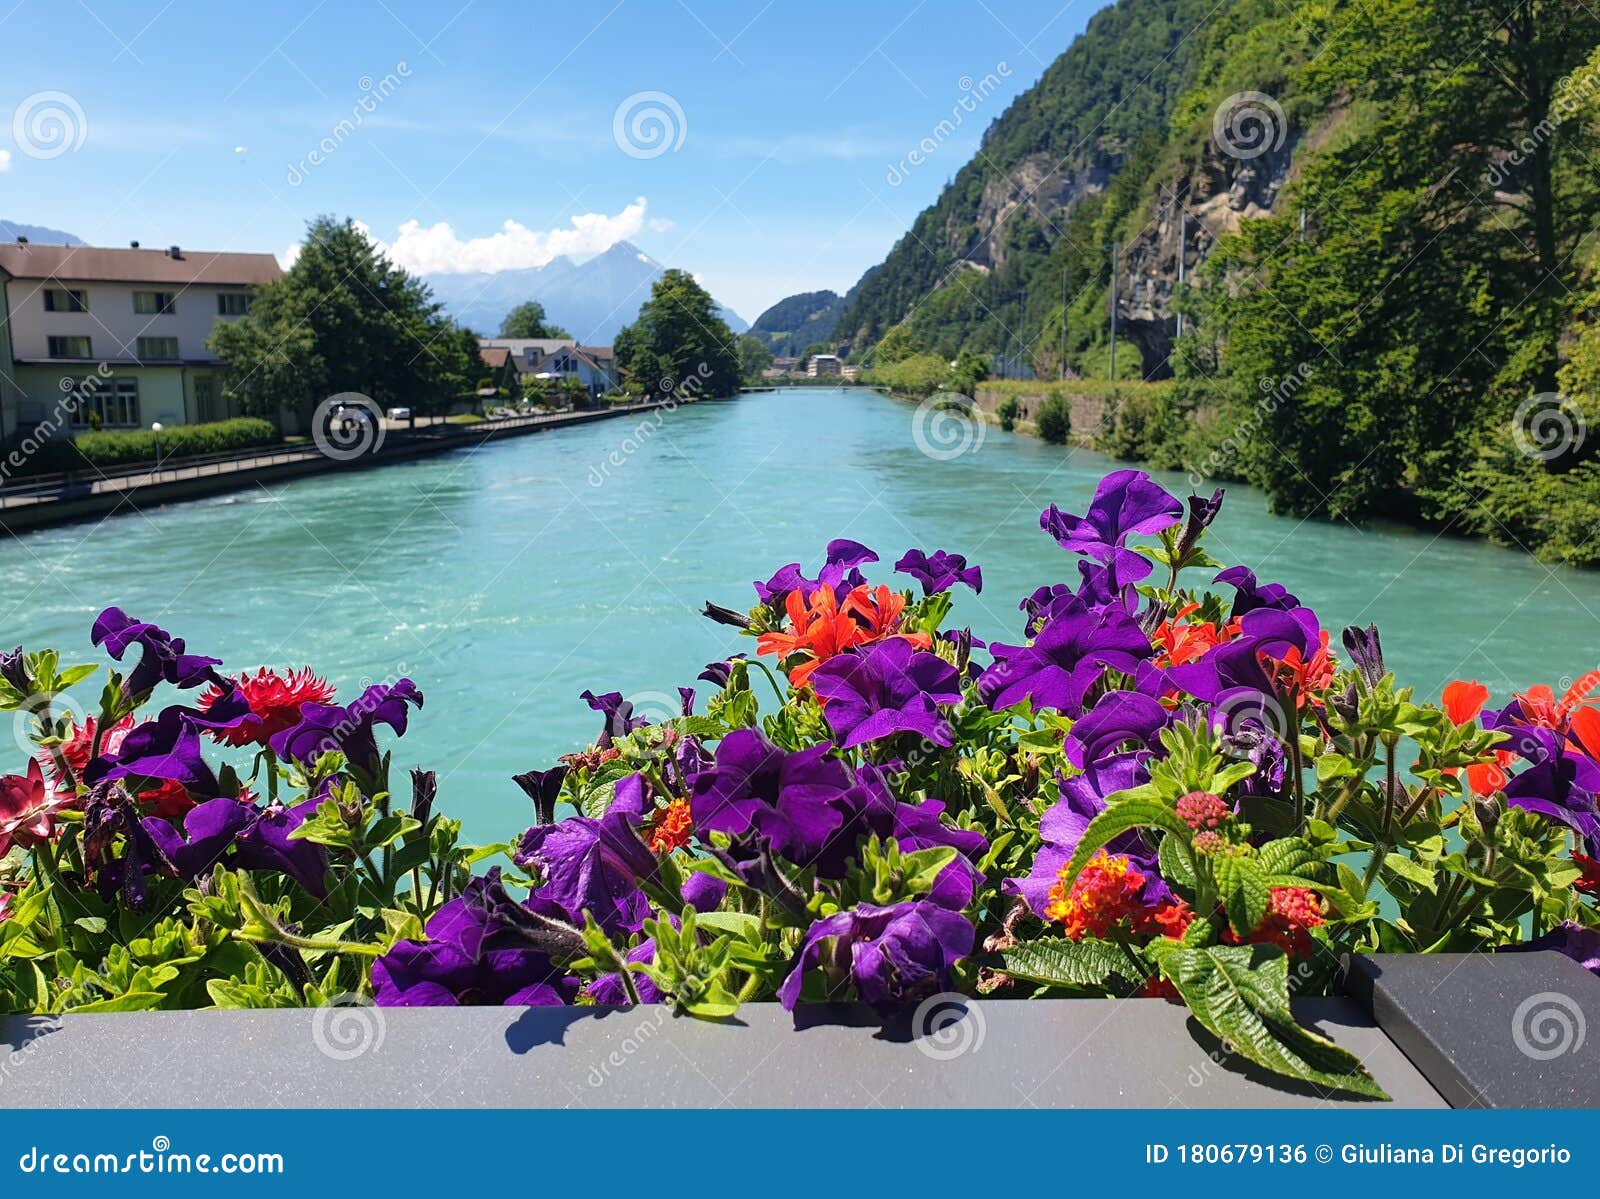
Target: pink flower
(26, 813)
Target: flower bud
(14, 669)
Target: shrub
(108, 448)
(1054, 419)
(1007, 412)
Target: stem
(1388, 785)
(280, 935)
(630, 987)
(776, 690)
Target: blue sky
(784, 124)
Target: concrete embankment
(89, 498)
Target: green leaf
(133, 1001)
(1290, 862)
(1061, 963)
(738, 923)
(1125, 813)
(1240, 994)
(1245, 893)
(1176, 863)
(1414, 873)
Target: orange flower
(1462, 702)
(823, 627)
(1177, 644)
(1306, 677)
(671, 827)
(1105, 893)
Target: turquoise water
(507, 580)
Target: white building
(824, 364)
(561, 358)
(133, 322)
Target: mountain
(591, 298)
(794, 323)
(982, 267)
(41, 234)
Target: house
(824, 364)
(560, 358)
(850, 373)
(785, 366)
(500, 372)
(116, 338)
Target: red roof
(92, 264)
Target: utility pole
(1062, 364)
(1113, 312)
(1183, 254)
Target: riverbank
(71, 502)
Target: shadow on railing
(69, 485)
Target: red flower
(1295, 911)
(1462, 702)
(1177, 644)
(1104, 894)
(1306, 677)
(1589, 884)
(273, 697)
(26, 813)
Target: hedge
(109, 448)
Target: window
(154, 303)
(61, 299)
(157, 348)
(70, 347)
(233, 303)
(114, 401)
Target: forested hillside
(1384, 214)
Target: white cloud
(5, 160)
(437, 250)
(661, 224)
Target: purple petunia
(1068, 657)
(889, 688)
(1570, 938)
(939, 571)
(1127, 502)
(1117, 718)
(1083, 797)
(164, 657)
(324, 728)
(1252, 595)
(473, 955)
(892, 956)
(596, 865)
(839, 570)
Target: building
(499, 370)
(785, 366)
(560, 358)
(850, 373)
(115, 338)
(824, 364)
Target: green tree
(1376, 347)
(527, 320)
(754, 357)
(344, 319)
(896, 345)
(679, 343)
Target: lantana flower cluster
(1156, 788)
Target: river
(507, 580)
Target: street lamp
(155, 427)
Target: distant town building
(560, 358)
(785, 366)
(116, 338)
(824, 364)
(850, 372)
